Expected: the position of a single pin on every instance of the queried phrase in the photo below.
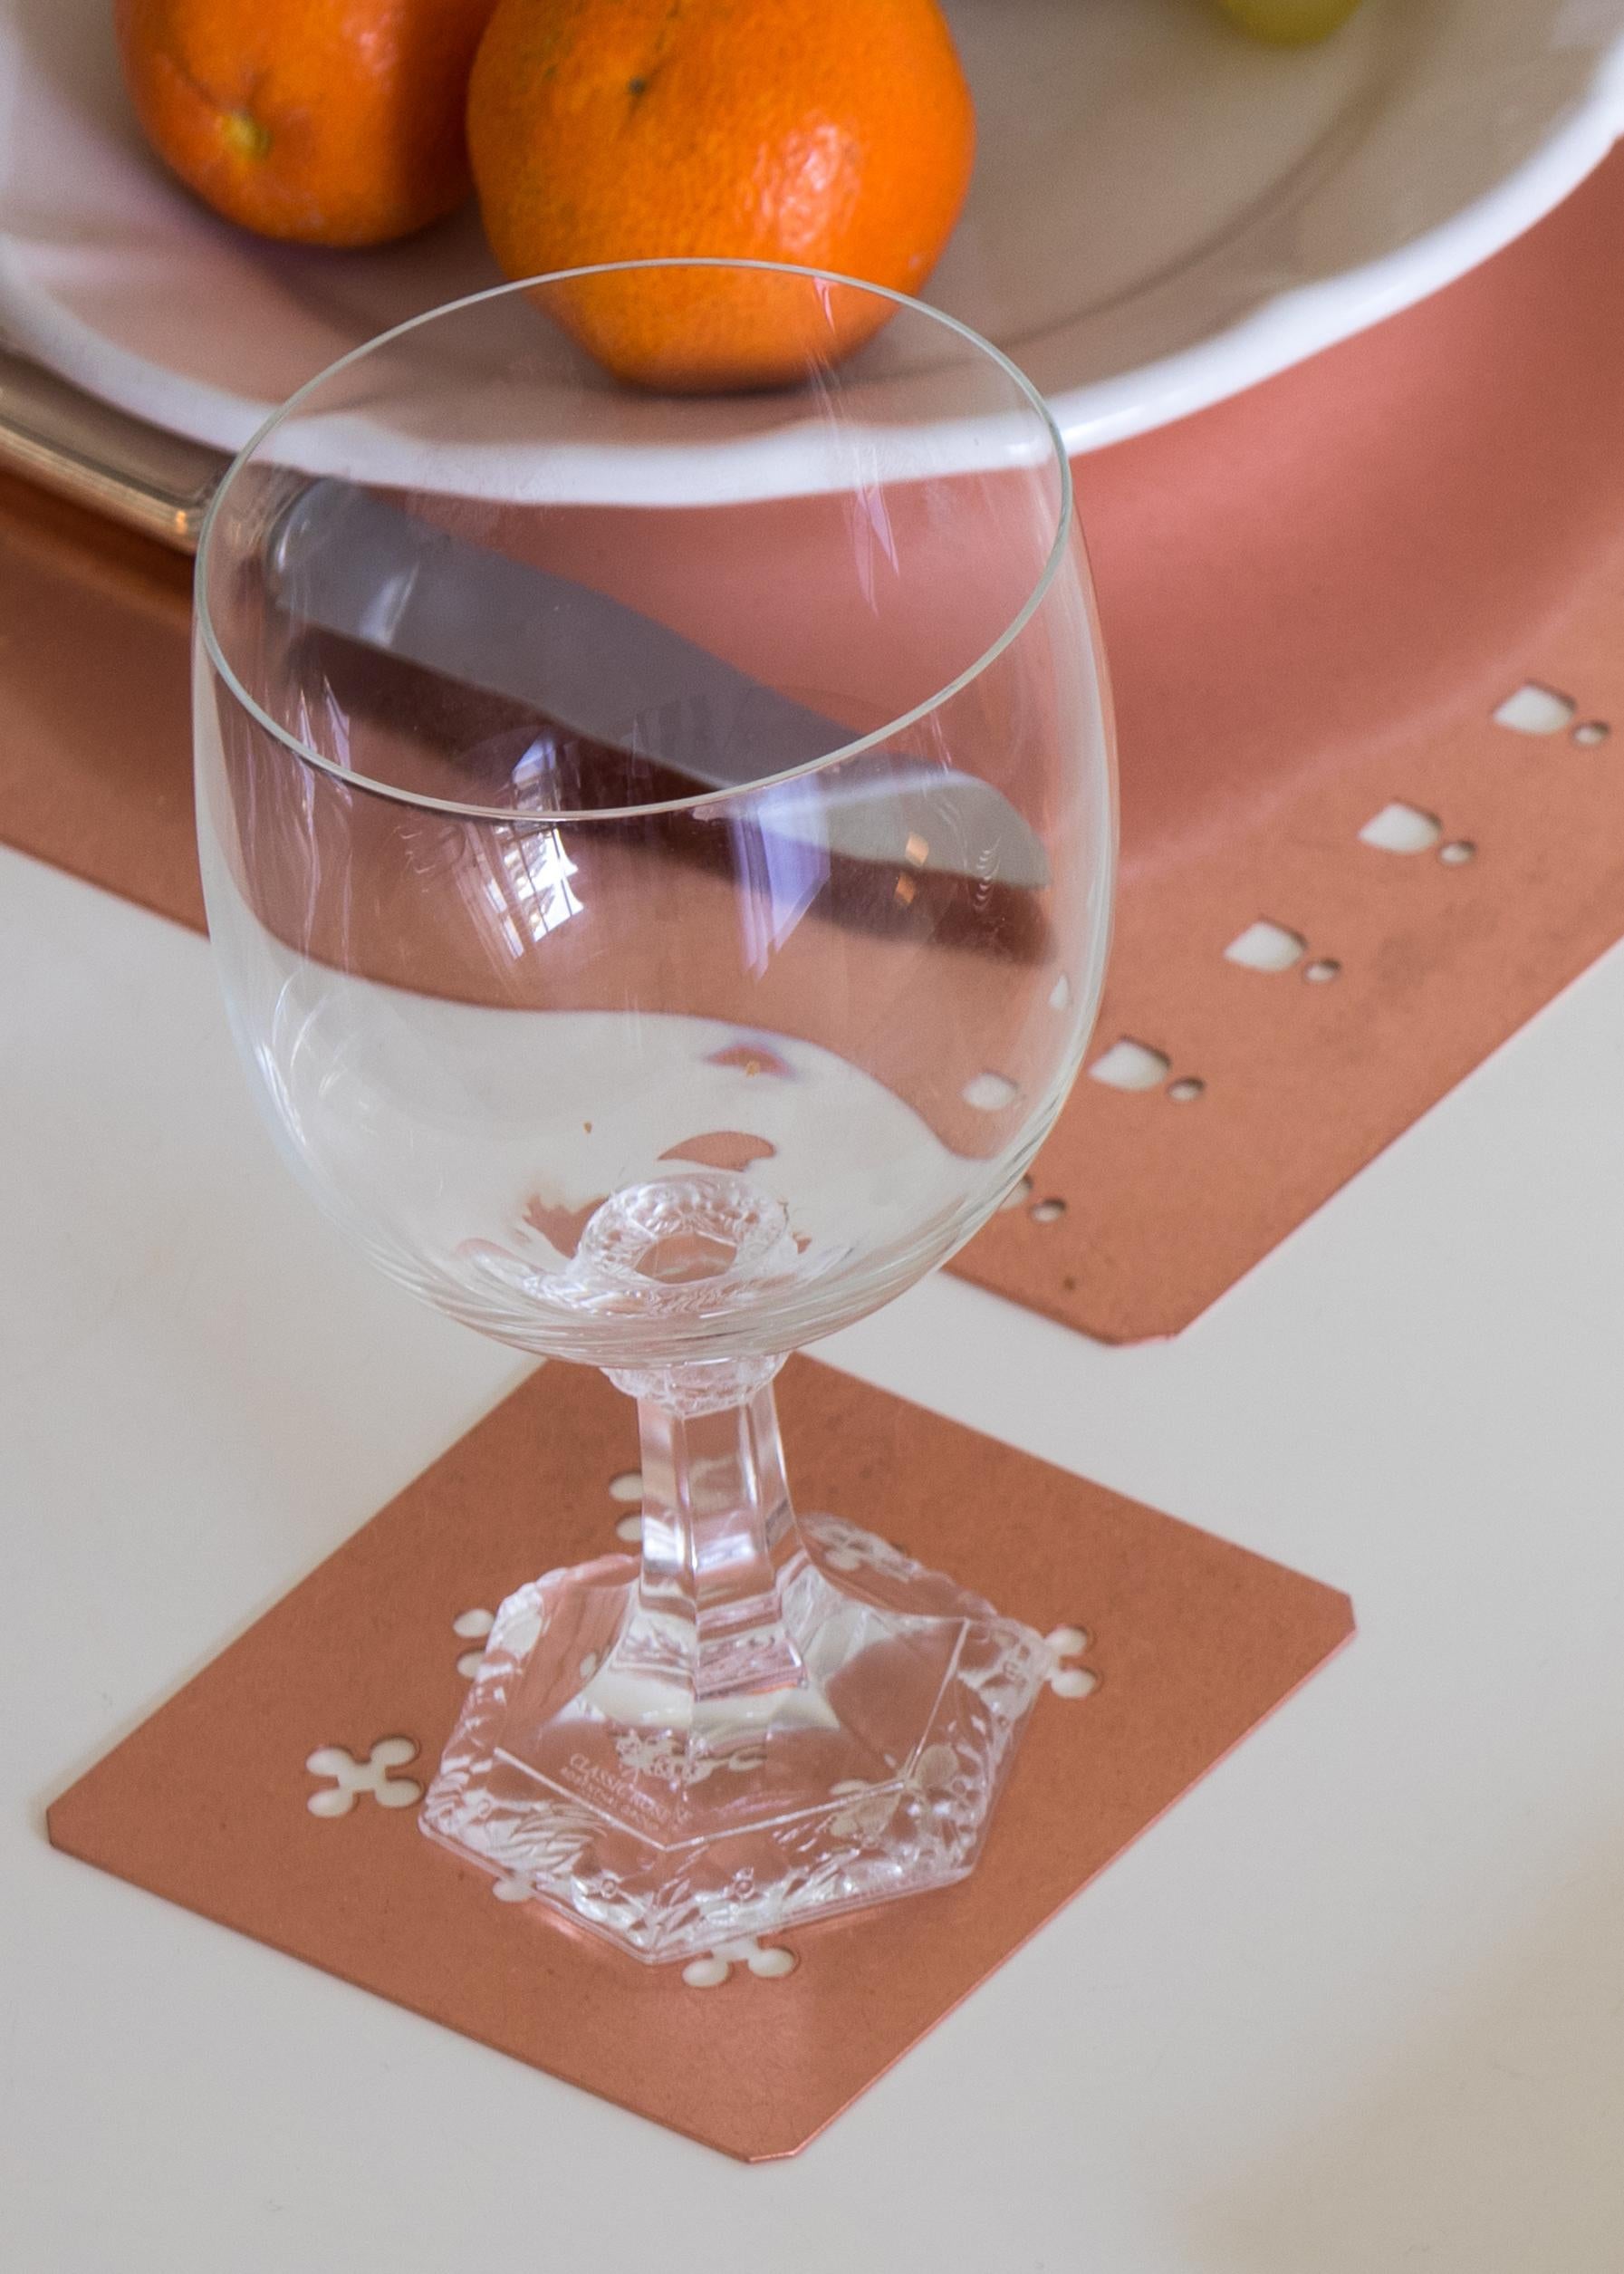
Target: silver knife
(85, 449)
(350, 562)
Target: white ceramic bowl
(1164, 211)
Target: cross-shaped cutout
(352, 1777)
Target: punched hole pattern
(627, 1489)
(1535, 710)
(1131, 1066)
(1400, 828)
(1266, 946)
(768, 1962)
(353, 1779)
(1067, 1679)
(990, 1093)
(471, 1626)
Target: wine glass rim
(709, 800)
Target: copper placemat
(1184, 1644)
(1316, 598)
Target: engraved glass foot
(870, 1771)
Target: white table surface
(1358, 2002)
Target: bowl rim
(707, 801)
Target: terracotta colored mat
(1192, 1641)
(1316, 599)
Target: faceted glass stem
(719, 1545)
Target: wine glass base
(872, 1774)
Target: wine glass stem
(720, 1547)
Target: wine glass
(659, 854)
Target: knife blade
(350, 562)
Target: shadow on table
(1498, 2147)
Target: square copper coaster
(1189, 1644)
